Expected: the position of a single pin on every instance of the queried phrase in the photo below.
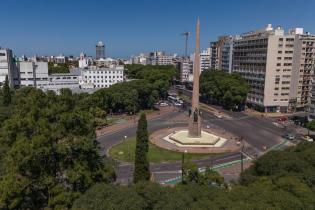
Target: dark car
(288, 136)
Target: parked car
(163, 104)
(288, 136)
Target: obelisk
(194, 129)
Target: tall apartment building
(34, 74)
(8, 68)
(227, 55)
(186, 70)
(216, 49)
(205, 59)
(100, 50)
(277, 66)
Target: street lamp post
(242, 159)
(183, 161)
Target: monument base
(181, 138)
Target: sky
(52, 27)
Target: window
(289, 39)
(279, 58)
(278, 64)
(280, 52)
(287, 58)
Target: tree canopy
(49, 155)
(218, 87)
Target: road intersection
(259, 134)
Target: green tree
(311, 125)
(142, 167)
(6, 92)
(49, 155)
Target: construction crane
(186, 34)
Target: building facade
(33, 74)
(101, 77)
(8, 68)
(160, 58)
(278, 68)
(205, 59)
(227, 55)
(186, 70)
(100, 50)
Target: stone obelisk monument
(194, 129)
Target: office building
(100, 50)
(8, 68)
(33, 74)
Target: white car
(178, 104)
(163, 104)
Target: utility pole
(242, 159)
(183, 168)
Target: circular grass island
(125, 152)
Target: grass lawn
(126, 152)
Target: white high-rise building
(8, 68)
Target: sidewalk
(133, 120)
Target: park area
(125, 151)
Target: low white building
(107, 62)
(60, 81)
(101, 77)
(34, 74)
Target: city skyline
(72, 27)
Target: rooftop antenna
(186, 34)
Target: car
(218, 116)
(288, 136)
(163, 104)
(178, 104)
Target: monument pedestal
(194, 130)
